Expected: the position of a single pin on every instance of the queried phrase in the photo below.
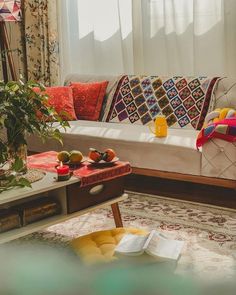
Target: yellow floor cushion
(99, 246)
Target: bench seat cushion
(134, 143)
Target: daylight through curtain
(167, 37)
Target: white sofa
(174, 157)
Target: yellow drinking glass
(160, 125)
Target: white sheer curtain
(164, 37)
(96, 36)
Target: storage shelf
(28, 229)
(42, 224)
(46, 184)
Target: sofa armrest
(219, 159)
(225, 93)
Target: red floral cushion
(61, 98)
(88, 99)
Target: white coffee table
(63, 192)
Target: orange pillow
(61, 98)
(88, 99)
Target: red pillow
(61, 98)
(88, 99)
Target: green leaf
(11, 182)
(24, 182)
(65, 124)
(15, 87)
(11, 84)
(18, 164)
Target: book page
(131, 244)
(152, 232)
(163, 247)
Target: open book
(154, 244)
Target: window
(165, 37)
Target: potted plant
(23, 111)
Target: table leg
(117, 216)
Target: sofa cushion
(88, 99)
(111, 87)
(99, 247)
(61, 98)
(134, 143)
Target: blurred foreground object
(32, 270)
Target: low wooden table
(73, 199)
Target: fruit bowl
(106, 158)
(103, 163)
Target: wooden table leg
(117, 216)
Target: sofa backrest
(225, 93)
(112, 80)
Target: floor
(209, 232)
(208, 194)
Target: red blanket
(223, 129)
(88, 173)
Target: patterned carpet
(209, 232)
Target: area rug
(209, 232)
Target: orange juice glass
(161, 126)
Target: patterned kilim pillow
(221, 123)
(219, 114)
(184, 101)
(88, 99)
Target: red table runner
(87, 172)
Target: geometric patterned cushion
(223, 129)
(98, 247)
(219, 159)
